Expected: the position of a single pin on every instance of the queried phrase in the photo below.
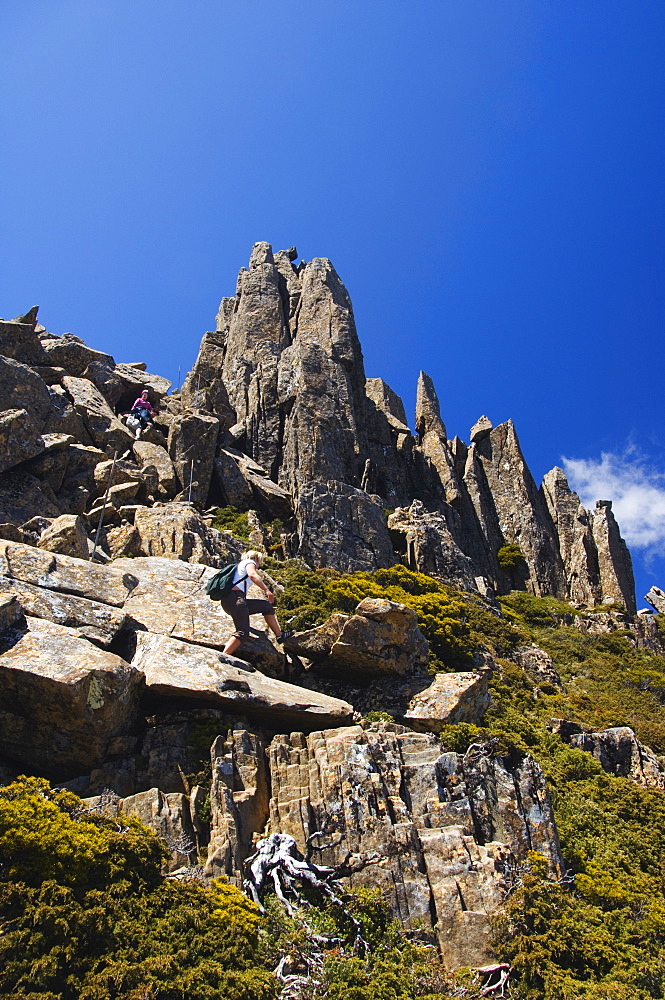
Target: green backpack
(221, 583)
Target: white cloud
(636, 489)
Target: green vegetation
(233, 520)
(393, 967)
(602, 935)
(86, 915)
(510, 556)
(454, 623)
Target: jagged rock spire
(428, 411)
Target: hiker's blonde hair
(254, 555)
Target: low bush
(86, 915)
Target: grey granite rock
(62, 700)
(343, 527)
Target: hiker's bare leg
(273, 624)
(231, 645)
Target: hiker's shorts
(240, 608)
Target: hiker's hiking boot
(280, 639)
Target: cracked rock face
(444, 825)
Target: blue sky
(486, 176)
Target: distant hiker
(240, 607)
(142, 411)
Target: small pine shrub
(510, 556)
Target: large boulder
(178, 670)
(62, 700)
(66, 574)
(22, 389)
(380, 637)
(170, 599)
(100, 623)
(101, 423)
(449, 699)
(67, 535)
(19, 438)
(191, 446)
(154, 456)
(177, 531)
(342, 527)
(63, 418)
(72, 354)
(122, 384)
(19, 341)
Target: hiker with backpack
(230, 589)
(141, 413)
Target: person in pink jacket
(143, 409)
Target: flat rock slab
(175, 669)
(99, 623)
(62, 700)
(170, 599)
(106, 584)
(450, 698)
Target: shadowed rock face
(63, 699)
(511, 509)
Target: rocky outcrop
(511, 510)
(444, 826)
(341, 526)
(656, 598)
(538, 664)
(168, 815)
(616, 567)
(429, 547)
(239, 800)
(278, 417)
(576, 541)
(617, 750)
(640, 630)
